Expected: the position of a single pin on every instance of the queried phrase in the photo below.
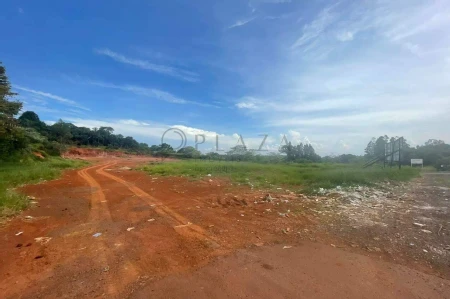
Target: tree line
(434, 152)
(68, 134)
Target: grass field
(307, 177)
(15, 174)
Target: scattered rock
(268, 198)
(19, 233)
(426, 231)
(287, 247)
(130, 228)
(419, 224)
(96, 235)
(42, 240)
(150, 220)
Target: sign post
(417, 162)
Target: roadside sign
(417, 162)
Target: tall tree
(30, 119)
(8, 108)
(11, 136)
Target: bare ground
(108, 231)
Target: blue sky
(332, 73)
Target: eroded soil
(109, 231)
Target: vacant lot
(107, 230)
(304, 177)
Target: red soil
(176, 238)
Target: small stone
(268, 198)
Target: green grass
(14, 174)
(307, 177)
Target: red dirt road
(175, 238)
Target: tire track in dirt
(99, 207)
(100, 213)
(180, 224)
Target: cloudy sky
(333, 73)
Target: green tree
(12, 137)
(370, 149)
(189, 152)
(163, 150)
(30, 119)
(62, 131)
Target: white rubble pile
(358, 194)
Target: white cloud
(246, 105)
(314, 29)
(345, 36)
(241, 22)
(152, 133)
(133, 122)
(146, 65)
(150, 93)
(413, 48)
(60, 99)
(330, 90)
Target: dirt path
(107, 231)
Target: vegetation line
(14, 175)
(305, 177)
